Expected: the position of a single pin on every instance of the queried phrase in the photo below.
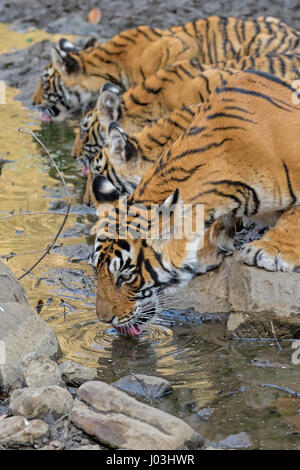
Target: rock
(39, 371)
(120, 421)
(144, 385)
(207, 293)
(37, 402)
(17, 431)
(234, 441)
(255, 290)
(206, 413)
(22, 330)
(76, 374)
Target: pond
(203, 366)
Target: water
(204, 367)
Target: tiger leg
(279, 248)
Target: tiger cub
(239, 157)
(179, 85)
(74, 77)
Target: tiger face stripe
(240, 156)
(132, 56)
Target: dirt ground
(22, 69)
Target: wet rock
(234, 441)
(74, 252)
(144, 385)
(22, 330)
(17, 431)
(76, 374)
(120, 421)
(39, 371)
(206, 413)
(37, 402)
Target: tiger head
(92, 135)
(136, 274)
(118, 162)
(63, 88)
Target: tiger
(178, 86)
(134, 154)
(124, 159)
(143, 104)
(130, 57)
(239, 157)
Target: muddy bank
(70, 16)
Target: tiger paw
(265, 254)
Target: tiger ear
(90, 43)
(61, 58)
(109, 103)
(117, 140)
(104, 190)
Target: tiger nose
(104, 310)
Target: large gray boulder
(22, 331)
(114, 418)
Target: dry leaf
(95, 16)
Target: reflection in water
(204, 368)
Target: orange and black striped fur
(130, 57)
(125, 158)
(178, 86)
(239, 157)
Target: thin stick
(141, 382)
(33, 213)
(48, 248)
(283, 389)
(28, 131)
(274, 334)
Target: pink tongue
(85, 171)
(132, 330)
(45, 117)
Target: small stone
(17, 431)
(145, 385)
(206, 413)
(40, 371)
(76, 374)
(37, 402)
(234, 441)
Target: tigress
(145, 103)
(124, 159)
(124, 164)
(239, 157)
(180, 85)
(131, 56)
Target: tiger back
(132, 56)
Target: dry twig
(50, 246)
